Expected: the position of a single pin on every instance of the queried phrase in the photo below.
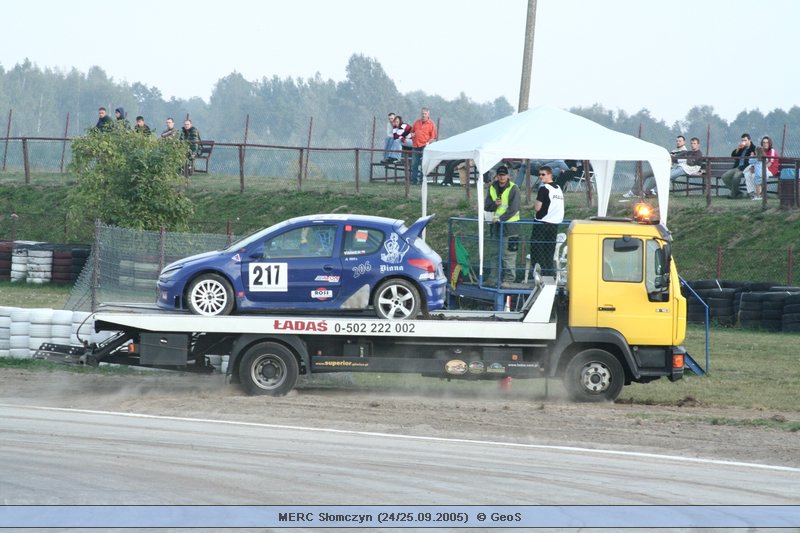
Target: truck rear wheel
(594, 376)
(268, 368)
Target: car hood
(186, 261)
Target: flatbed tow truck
(618, 318)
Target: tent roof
(546, 132)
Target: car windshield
(246, 241)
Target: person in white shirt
(549, 207)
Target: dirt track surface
(686, 430)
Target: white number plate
(269, 277)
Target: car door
(298, 267)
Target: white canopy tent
(546, 132)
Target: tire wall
(37, 262)
(762, 306)
(23, 330)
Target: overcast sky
(623, 54)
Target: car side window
(306, 241)
(623, 263)
(361, 240)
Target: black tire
(790, 317)
(749, 315)
(771, 325)
(793, 299)
(749, 324)
(594, 376)
(791, 308)
(794, 327)
(396, 299)
(751, 306)
(704, 284)
(209, 295)
(720, 310)
(268, 368)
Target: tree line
(280, 109)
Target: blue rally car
(316, 262)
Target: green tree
(129, 180)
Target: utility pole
(527, 58)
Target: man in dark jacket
(141, 127)
(733, 176)
(120, 114)
(104, 122)
(190, 134)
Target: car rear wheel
(396, 299)
(209, 295)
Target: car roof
(348, 217)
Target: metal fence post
(241, 168)
(300, 171)
(719, 262)
(64, 144)
(8, 132)
(358, 189)
(95, 266)
(790, 266)
(25, 161)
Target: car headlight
(169, 273)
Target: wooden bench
(206, 147)
(397, 170)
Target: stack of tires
(5, 330)
(19, 339)
(40, 264)
(704, 288)
(80, 255)
(5, 260)
(790, 322)
(19, 264)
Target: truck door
(628, 293)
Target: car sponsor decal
(301, 325)
(427, 275)
(328, 278)
(360, 270)
(237, 258)
(496, 368)
(456, 367)
(322, 294)
(361, 235)
(391, 268)
(476, 367)
(268, 277)
(394, 251)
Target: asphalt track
(77, 457)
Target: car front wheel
(396, 299)
(210, 295)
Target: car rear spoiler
(416, 229)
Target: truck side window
(623, 263)
(653, 267)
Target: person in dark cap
(503, 201)
(121, 120)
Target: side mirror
(257, 252)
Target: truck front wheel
(268, 368)
(594, 376)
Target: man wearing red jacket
(423, 132)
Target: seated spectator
(141, 127)
(754, 172)
(733, 176)
(399, 142)
(573, 172)
(681, 165)
(171, 132)
(450, 169)
(191, 135)
(557, 166)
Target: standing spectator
(754, 172)
(104, 122)
(141, 127)
(121, 120)
(171, 132)
(502, 199)
(549, 207)
(733, 176)
(388, 144)
(191, 135)
(423, 132)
